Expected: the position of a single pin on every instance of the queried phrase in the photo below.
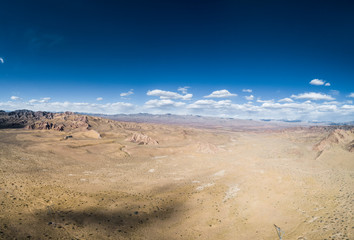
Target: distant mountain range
(27, 118)
(201, 121)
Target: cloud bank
(307, 106)
(83, 107)
(313, 96)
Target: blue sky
(82, 55)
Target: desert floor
(195, 184)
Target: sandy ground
(196, 184)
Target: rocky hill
(342, 137)
(81, 126)
(43, 120)
(22, 118)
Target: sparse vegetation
(195, 184)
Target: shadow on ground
(121, 222)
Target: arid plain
(103, 179)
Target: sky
(286, 60)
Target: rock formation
(342, 137)
(142, 139)
(43, 120)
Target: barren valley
(69, 176)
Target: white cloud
(168, 95)
(2, 60)
(305, 106)
(42, 100)
(205, 104)
(268, 109)
(249, 98)
(332, 102)
(99, 99)
(265, 101)
(14, 98)
(351, 95)
(290, 108)
(126, 94)
(334, 92)
(286, 105)
(313, 96)
(289, 100)
(308, 110)
(317, 82)
(221, 94)
(349, 107)
(184, 90)
(41, 105)
(247, 90)
(163, 103)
